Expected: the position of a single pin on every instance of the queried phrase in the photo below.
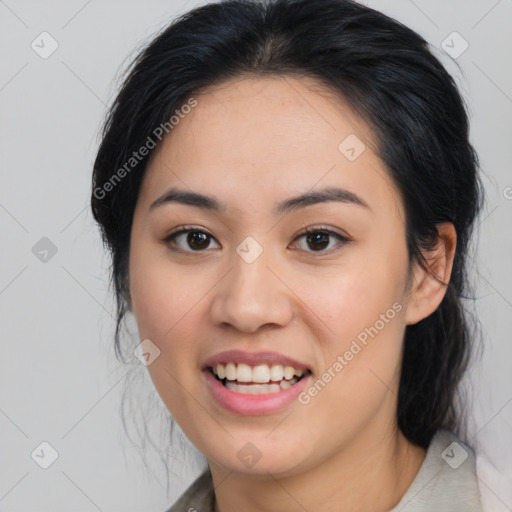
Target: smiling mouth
(257, 380)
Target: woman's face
(247, 278)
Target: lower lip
(263, 403)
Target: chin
(258, 458)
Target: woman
(288, 191)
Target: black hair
(391, 78)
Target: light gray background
(59, 381)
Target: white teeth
(286, 384)
(258, 389)
(243, 373)
(260, 374)
(288, 372)
(230, 371)
(253, 389)
(277, 372)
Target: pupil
(196, 236)
(313, 239)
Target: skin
(250, 143)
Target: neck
(372, 473)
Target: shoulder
(198, 497)
(447, 479)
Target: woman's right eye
(194, 239)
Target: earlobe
(429, 287)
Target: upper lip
(253, 359)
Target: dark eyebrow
(325, 195)
(205, 202)
(174, 195)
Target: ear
(427, 292)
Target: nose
(251, 296)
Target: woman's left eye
(319, 239)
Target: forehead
(256, 137)
(270, 119)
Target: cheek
(164, 302)
(364, 311)
(354, 299)
(361, 355)
(162, 295)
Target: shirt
(445, 482)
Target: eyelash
(170, 238)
